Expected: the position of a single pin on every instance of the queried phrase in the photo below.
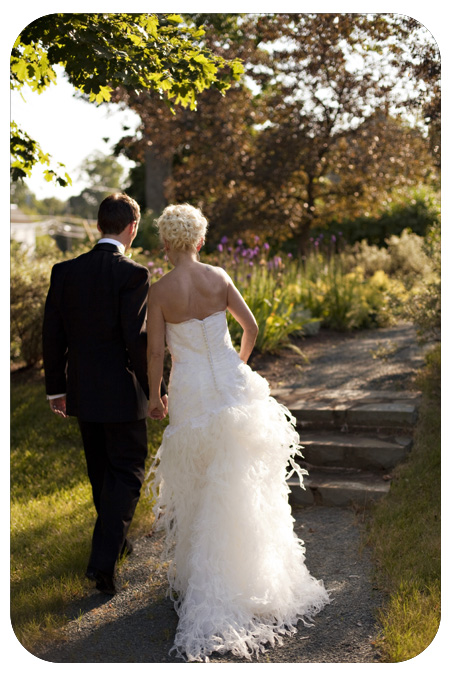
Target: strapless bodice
(198, 339)
(207, 373)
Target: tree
(318, 131)
(104, 175)
(424, 62)
(99, 52)
(211, 142)
(334, 137)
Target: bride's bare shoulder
(217, 271)
(160, 286)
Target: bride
(237, 574)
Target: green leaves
(30, 65)
(25, 153)
(155, 53)
(93, 49)
(104, 94)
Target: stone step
(374, 453)
(350, 409)
(338, 488)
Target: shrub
(30, 279)
(343, 299)
(408, 257)
(369, 259)
(416, 212)
(405, 257)
(29, 284)
(423, 304)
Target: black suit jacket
(94, 336)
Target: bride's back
(192, 291)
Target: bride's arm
(155, 354)
(237, 306)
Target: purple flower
(266, 246)
(240, 242)
(224, 240)
(229, 249)
(251, 263)
(220, 247)
(289, 255)
(249, 276)
(150, 264)
(316, 243)
(333, 238)
(256, 238)
(244, 253)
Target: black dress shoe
(91, 574)
(105, 583)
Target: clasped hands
(158, 408)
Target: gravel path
(375, 359)
(138, 624)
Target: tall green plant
(274, 306)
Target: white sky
(69, 129)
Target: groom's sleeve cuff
(49, 397)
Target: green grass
(52, 515)
(405, 535)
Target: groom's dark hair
(116, 212)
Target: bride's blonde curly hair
(182, 226)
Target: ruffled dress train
(236, 573)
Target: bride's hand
(157, 410)
(165, 401)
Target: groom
(94, 348)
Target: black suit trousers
(115, 457)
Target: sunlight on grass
(411, 621)
(52, 514)
(405, 535)
(50, 539)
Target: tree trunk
(157, 170)
(302, 239)
(307, 220)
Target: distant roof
(17, 216)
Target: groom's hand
(58, 406)
(157, 409)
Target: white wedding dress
(237, 574)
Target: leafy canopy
(99, 52)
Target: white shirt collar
(106, 240)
